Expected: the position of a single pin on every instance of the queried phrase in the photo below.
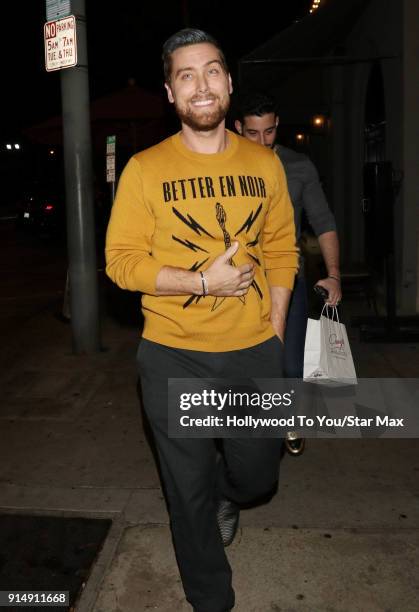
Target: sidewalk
(342, 535)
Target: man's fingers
(246, 279)
(334, 300)
(247, 276)
(245, 283)
(245, 268)
(335, 297)
(230, 251)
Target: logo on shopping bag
(337, 345)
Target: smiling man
(201, 100)
(203, 226)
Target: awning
(135, 115)
(317, 38)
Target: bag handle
(334, 312)
(330, 320)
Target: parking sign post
(110, 163)
(66, 43)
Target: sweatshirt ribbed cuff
(281, 277)
(146, 275)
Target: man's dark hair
(184, 38)
(254, 103)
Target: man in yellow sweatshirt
(203, 226)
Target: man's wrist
(196, 283)
(200, 283)
(279, 328)
(204, 283)
(336, 277)
(333, 272)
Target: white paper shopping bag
(327, 354)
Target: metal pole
(79, 195)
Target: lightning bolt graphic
(189, 244)
(190, 222)
(250, 220)
(191, 299)
(253, 242)
(197, 265)
(257, 289)
(254, 258)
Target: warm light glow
(299, 137)
(52, 152)
(315, 5)
(318, 121)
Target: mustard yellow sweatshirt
(180, 208)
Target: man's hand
(223, 279)
(226, 280)
(333, 287)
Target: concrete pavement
(342, 535)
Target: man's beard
(204, 121)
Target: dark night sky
(124, 41)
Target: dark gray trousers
(193, 479)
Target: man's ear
(230, 85)
(169, 93)
(238, 126)
(276, 121)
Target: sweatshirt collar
(208, 158)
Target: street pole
(79, 195)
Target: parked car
(41, 209)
